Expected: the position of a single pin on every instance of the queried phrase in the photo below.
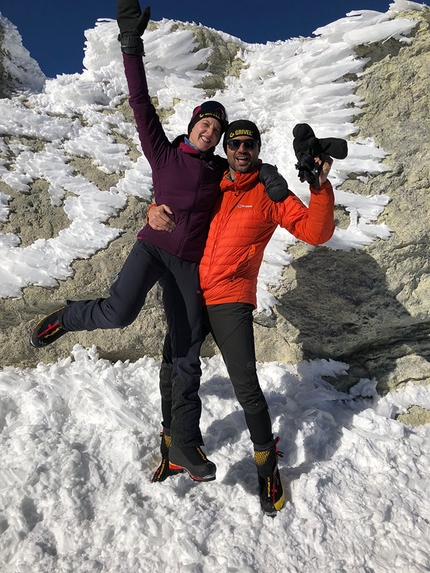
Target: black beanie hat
(209, 108)
(241, 127)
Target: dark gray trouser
(231, 325)
(145, 266)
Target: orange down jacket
(242, 224)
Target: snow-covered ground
(79, 439)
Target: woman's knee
(119, 317)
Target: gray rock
(371, 308)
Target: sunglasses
(234, 144)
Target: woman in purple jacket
(186, 176)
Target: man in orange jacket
(242, 224)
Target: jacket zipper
(235, 198)
(196, 197)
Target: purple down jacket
(184, 179)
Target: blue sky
(53, 31)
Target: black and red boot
(164, 471)
(193, 460)
(48, 329)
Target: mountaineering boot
(270, 485)
(193, 460)
(48, 330)
(163, 471)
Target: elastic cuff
(147, 211)
(166, 430)
(264, 447)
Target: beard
(242, 163)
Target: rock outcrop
(371, 308)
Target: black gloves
(132, 22)
(307, 146)
(276, 185)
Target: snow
(79, 439)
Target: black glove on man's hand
(132, 22)
(276, 185)
(307, 147)
(306, 142)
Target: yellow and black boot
(271, 491)
(163, 471)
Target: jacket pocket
(243, 265)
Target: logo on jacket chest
(242, 206)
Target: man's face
(242, 153)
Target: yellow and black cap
(241, 127)
(209, 108)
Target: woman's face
(206, 133)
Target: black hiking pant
(231, 326)
(146, 265)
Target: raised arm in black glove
(276, 185)
(132, 22)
